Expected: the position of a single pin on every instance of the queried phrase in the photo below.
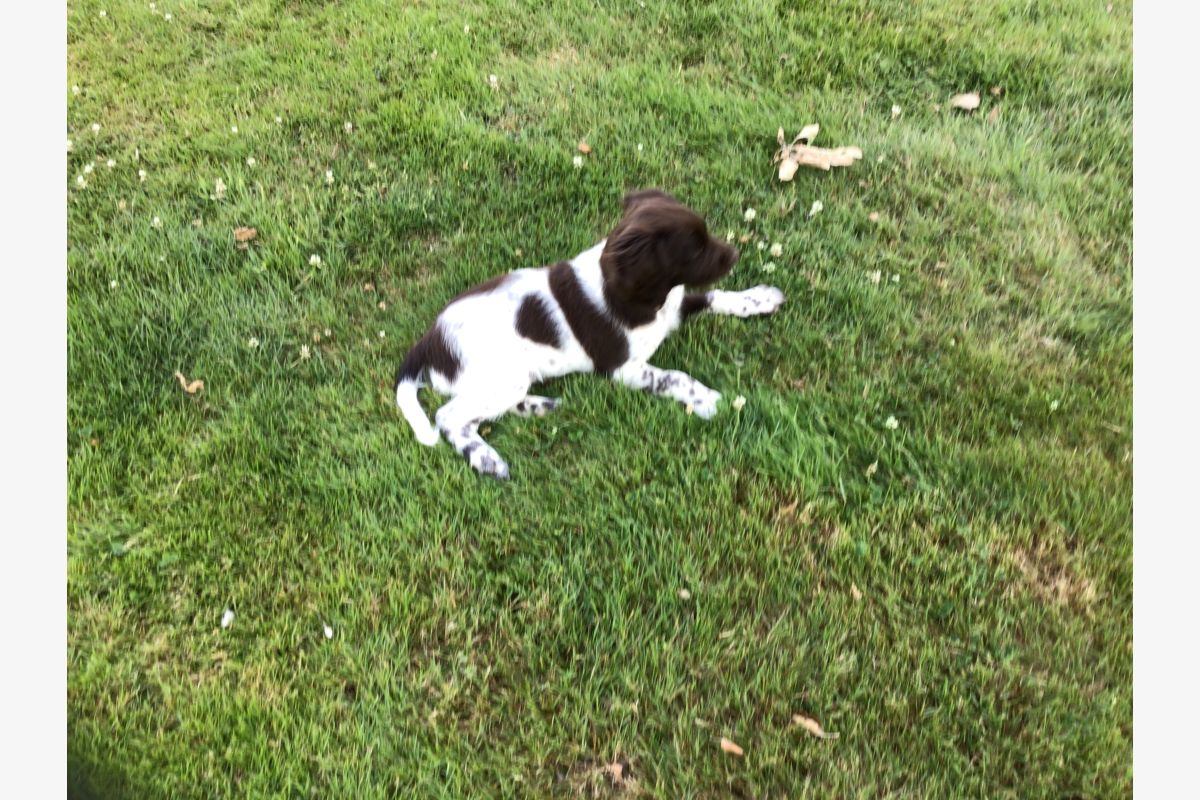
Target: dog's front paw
(704, 405)
(747, 303)
(760, 300)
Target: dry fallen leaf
(812, 726)
(585, 148)
(855, 593)
(873, 216)
(244, 234)
(801, 153)
(189, 387)
(808, 133)
(967, 102)
(997, 91)
(731, 747)
(994, 114)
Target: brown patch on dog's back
(535, 323)
(604, 342)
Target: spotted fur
(606, 311)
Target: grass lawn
(952, 595)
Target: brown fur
(535, 323)
(659, 244)
(600, 337)
(431, 352)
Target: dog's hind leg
(535, 406)
(459, 421)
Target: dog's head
(660, 244)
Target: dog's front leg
(678, 386)
(748, 303)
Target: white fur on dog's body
(498, 365)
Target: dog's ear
(634, 264)
(634, 199)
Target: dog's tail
(409, 378)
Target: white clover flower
(110, 163)
(684, 594)
(278, 120)
(233, 128)
(156, 223)
(371, 165)
(153, 6)
(305, 353)
(103, 14)
(75, 89)
(314, 260)
(70, 145)
(112, 284)
(739, 403)
(729, 236)
(639, 147)
(578, 162)
(769, 266)
(891, 423)
(329, 176)
(327, 333)
(219, 189)
(328, 632)
(253, 343)
(88, 167)
(382, 306)
(121, 205)
(895, 277)
(227, 618)
(250, 162)
(349, 126)
(750, 215)
(689, 409)
(382, 335)
(1054, 405)
(142, 175)
(776, 250)
(896, 111)
(81, 181)
(466, 28)
(817, 208)
(761, 245)
(875, 277)
(493, 81)
(167, 16)
(95, 127)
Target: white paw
(704, 405)
(759, 300)
(486, 461)
(427, 436)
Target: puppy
(607, 310)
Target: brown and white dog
(606, 310)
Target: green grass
(510, 639)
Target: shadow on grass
(87, 780)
